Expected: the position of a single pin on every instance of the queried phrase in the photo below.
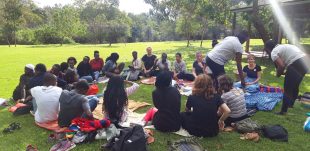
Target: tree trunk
(202, 35)
(110, 44)
(258, 23)
(15, 38)
(7, 38)
(62, 41)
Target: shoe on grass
(31, 148)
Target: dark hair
(64, 66)
(49, 79)
(270, 44)
(72, 58)
(134, 52)
(82, 85)
(70, 76)
(214, 42)
(243, 36)
(178, 54)
(225, 83)
(40, 67)
(86, 57)
(96, 51)
(57, 66)
(163, 79)
(113, 57)
(115, 98)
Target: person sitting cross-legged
(201, 116)
(253, 75)
(19, 93)
(74, 103)
(96, 64)
(47, 100)
(84, 70)
(234, 98)
(180, 71)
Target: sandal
(13, 126)
(31, 148)
(250, 136)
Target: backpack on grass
(130, 139)
(275, 132)
(247, 126)
(186, 144)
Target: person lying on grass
(84, 70)
(252, 73)
(116, 99)
(111, 67)
(180, 71)
(295, 62)
(47, 99)
(19, 93)
(165, 116)
(201, 116)
(234, 98)
(148, 62)
(74, 104)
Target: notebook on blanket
(132, 106)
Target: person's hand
(243, 83)
(248, 83)
(221, 124)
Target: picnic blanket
(263, 101)
(132, 106)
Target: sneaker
(68, 145)
(101, 134)
(79, 137)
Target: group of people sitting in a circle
(216, 101)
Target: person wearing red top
(96, 64)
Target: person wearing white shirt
(47, 99)
(135, 68)
(295, 62)
(228, 49)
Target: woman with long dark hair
(111, 68)
(116, 99)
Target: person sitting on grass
(162, 64)
(84, 70)
(116, 99)
(19, 93)
(47, 100)
(198, 65)
(74, 103)
(234, 98)
(180, 71)
(165, 116)
(37, 80)
(253, 75)
(56, 70)
(136, 67)
(64, 67)
(71, 64)
(201, 116)
(96, 64)
(71, 79)
(148, 61)
(111, 68)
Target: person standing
(295, 62)
(228, 49)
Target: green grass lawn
(12, 64)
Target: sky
(129, 6)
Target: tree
(115, 30)
(12, 13)
(67, 23)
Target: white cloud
(129, 6)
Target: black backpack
(130, 139)
(275, 132)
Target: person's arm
(225, 113)
(193, 71)
(239, 67)
(258, 78)
(188, 105)
(132, 89)
(86, 108)
(279, 66)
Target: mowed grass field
(12, 64)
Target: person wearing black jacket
(84, 70)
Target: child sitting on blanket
(253, 75)
(234, 98)
(167, 101)
(116, 99)
(201, 116)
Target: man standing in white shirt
(228, 49)
(295, 62)
(47, 99)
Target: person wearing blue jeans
(253, 75)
